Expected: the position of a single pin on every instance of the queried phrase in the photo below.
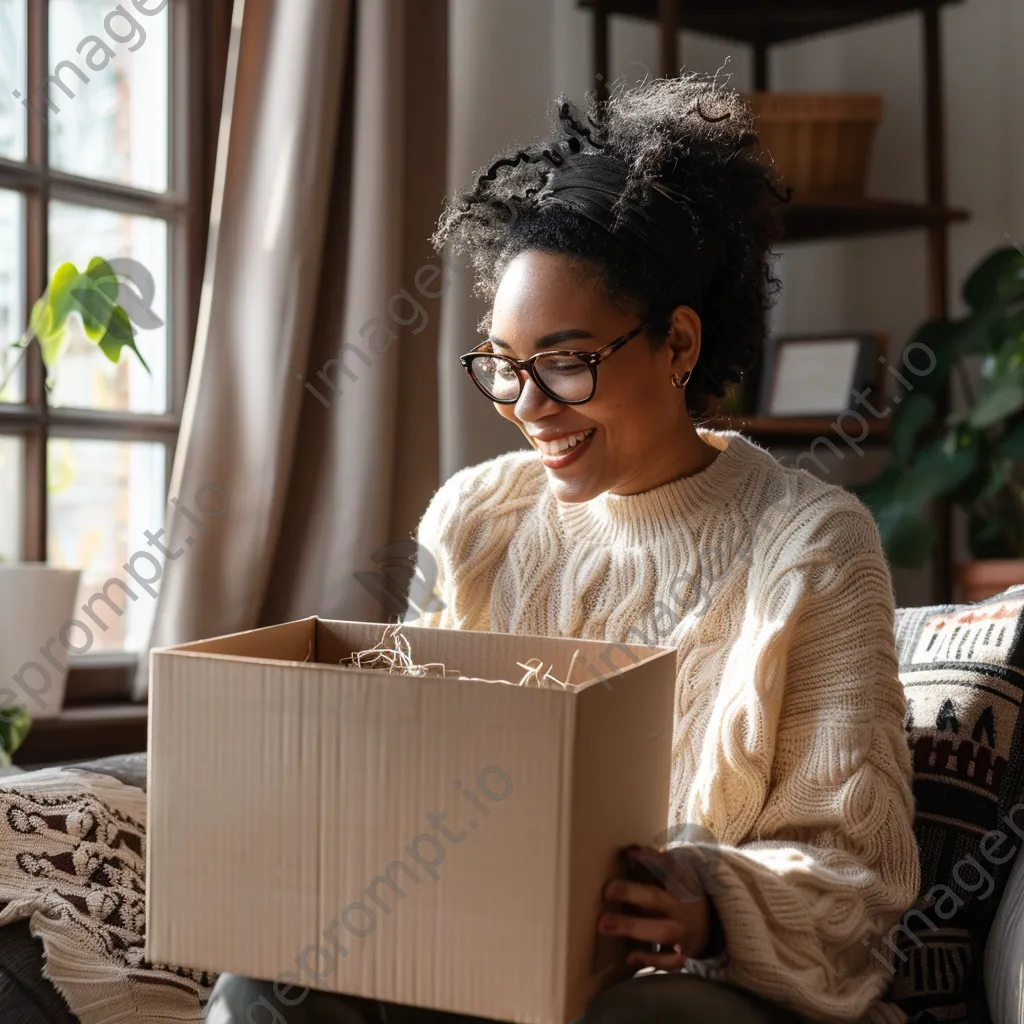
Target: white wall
(510, 58)
(501, 57)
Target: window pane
(83, 376)
(13, 50)
(103, 497)
(108, 109)
(12, 496)
(12, 295)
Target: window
(104, 150)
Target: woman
(627, 264)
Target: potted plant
(15, 724)
(37, 598)
(973, 457)
(90, 297)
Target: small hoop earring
(681, 382)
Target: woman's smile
(634, 431)
(562, 452)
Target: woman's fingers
(668, 873)
(644, 897)
(662, 930)
(663, 961)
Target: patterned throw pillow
(962, 668)
(1004, 953)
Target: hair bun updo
(690, 164)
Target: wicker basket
(820, 143)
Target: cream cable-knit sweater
(789, 746)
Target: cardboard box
(438, 842)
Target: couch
(958, 955)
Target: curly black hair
(687, 134)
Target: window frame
(198, 38)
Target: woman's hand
(674, 912)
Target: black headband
(663, 229)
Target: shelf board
(755, 21)
(810, 219)
(794, 429)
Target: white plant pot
(35, 602)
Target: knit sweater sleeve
(429, 597)
(815, 869)
(462, 534)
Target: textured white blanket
(73, 862)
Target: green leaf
(96, 311)
(119, 336)
(48, 320)
(915, 412)
(878, 492)
(93, 297)
(980, 333)
(999, 473)
(940, 467)
(15, 725)
(987, 538)
(96, 294)
(60, 291)
(1004, 401)
(102, 273)
(1011, 446)
(942, 339)
(906, 535)
(998, 278)
(1012, 325)
(975, 459)
(1009, 356)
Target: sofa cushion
(962, 668)
(25, 995)
(1004, 953)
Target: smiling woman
(655, 219)
(626, 259)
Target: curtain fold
(312, 408)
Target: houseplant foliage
(973, 457)
(90, 295)
(15, 724)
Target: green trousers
(648, 999)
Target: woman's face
(641, 433)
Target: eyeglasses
(567, 377)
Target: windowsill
(86, 732)
(99, 717)
(103, 659)
(100, 678)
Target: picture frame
(813, 375)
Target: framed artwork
(815, 375)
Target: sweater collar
(644, 517)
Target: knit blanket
(73, 863)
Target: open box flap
(491, 656)
(289, 641)
(485, 656)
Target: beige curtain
(330, 178)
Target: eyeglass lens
(565, 376)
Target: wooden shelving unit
(761, 24)
(764, 22)
(809, 220)
(795, 429)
